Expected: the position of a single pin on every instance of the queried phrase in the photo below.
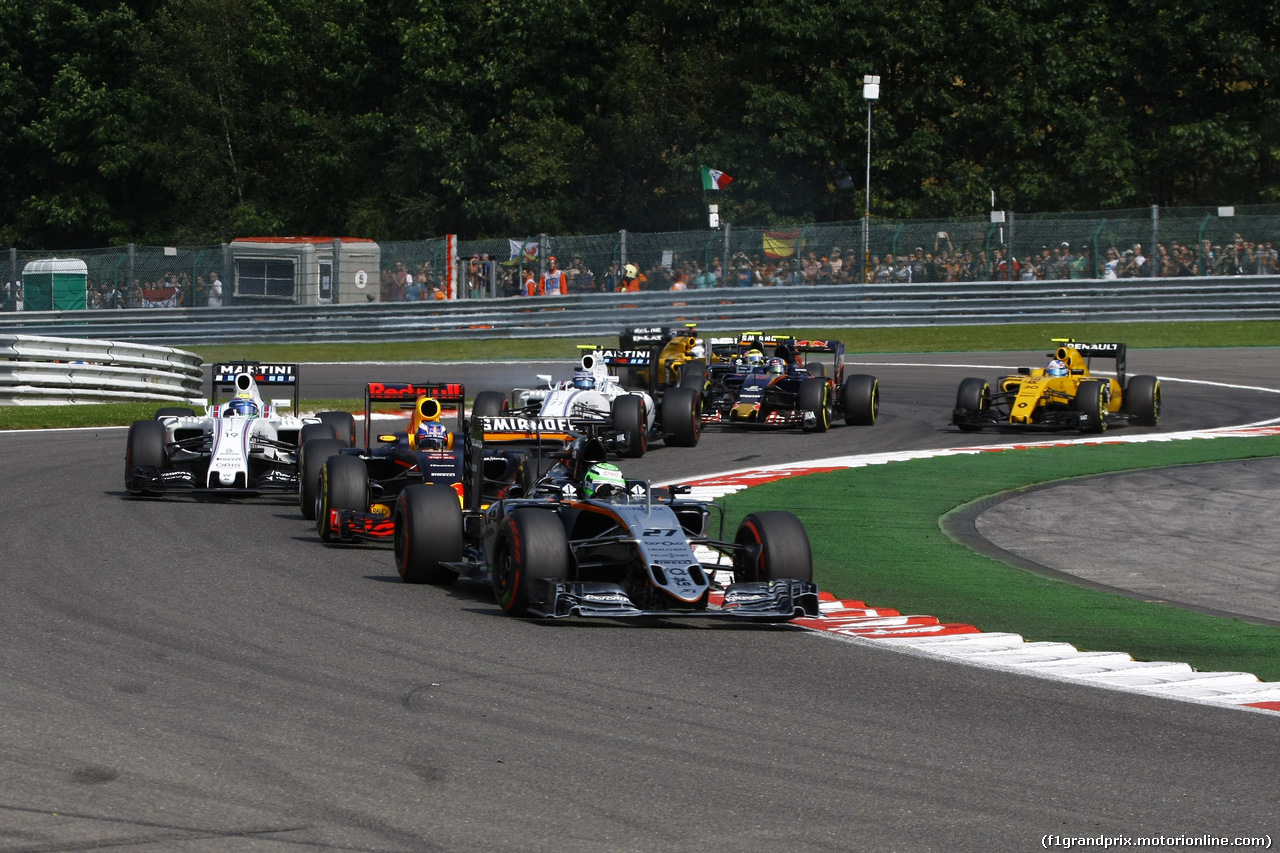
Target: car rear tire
(344, 426)
(531, 546)
(816, 368)
(1142, 400)
(428, 525)
(815, 396)
(693, 374)
(344, 484)
(175, 412)
(628, 416)
(311, 457)
(681, 416)
(974, 396)
(860, 396)
(775, 547)
(145, 448)
(489, 404)
(1091, 401)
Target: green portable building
(54, 284)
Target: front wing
(760, 601)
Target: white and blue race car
(241, 446)
(630, 419)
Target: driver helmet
(777, 367)
(242, 407)
(603, 480)
(584, 380)
(1057, 367)
(432, 435)
(755, 358)
(698, 350)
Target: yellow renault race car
(1061, 395)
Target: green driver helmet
(603, 480)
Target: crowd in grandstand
(483, 276)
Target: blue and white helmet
(432, 435)
(584, 380)
(1057, 367)
(243, 407)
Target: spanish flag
(714, 179)
(780, 244)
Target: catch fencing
(601, 317)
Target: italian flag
(714, 179)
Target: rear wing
(540, 434)
(1091, 351)
(268, 377)
(407, 394)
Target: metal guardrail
(721, 309)
(50, 371)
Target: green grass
(901, 558)
(1030, 336)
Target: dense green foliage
(190, 121)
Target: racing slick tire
(344, 426)
(1091, 401)
(531, 546)
(344, 484)
(974, 395)
(681, 416)
(775, 546)
(489, 404)
(175, 412)
(316, 432)
(628, 416)
(815, 396)
(860, 397)
(311, 457)
(816, 368)
(428, 521)
(693, 374)
(145, 448)
(1142, 400)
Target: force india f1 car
(630, 419)
(243, 446)
(775, 381)
(1062, 396)
(349, 491)
(557, 552)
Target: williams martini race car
(349, 491)
(1063, 395)
(630, 420)
(791, 387)
(584, 541)
(243, 446)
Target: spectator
(837, 264)
(1081, 265)
(417, 289)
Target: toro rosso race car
(349, 491)
(630, 420)
(585, 541)
(1061, 395)
(791, 387)
(243, 446)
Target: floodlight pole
(870, 92)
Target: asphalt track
(182, 675)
